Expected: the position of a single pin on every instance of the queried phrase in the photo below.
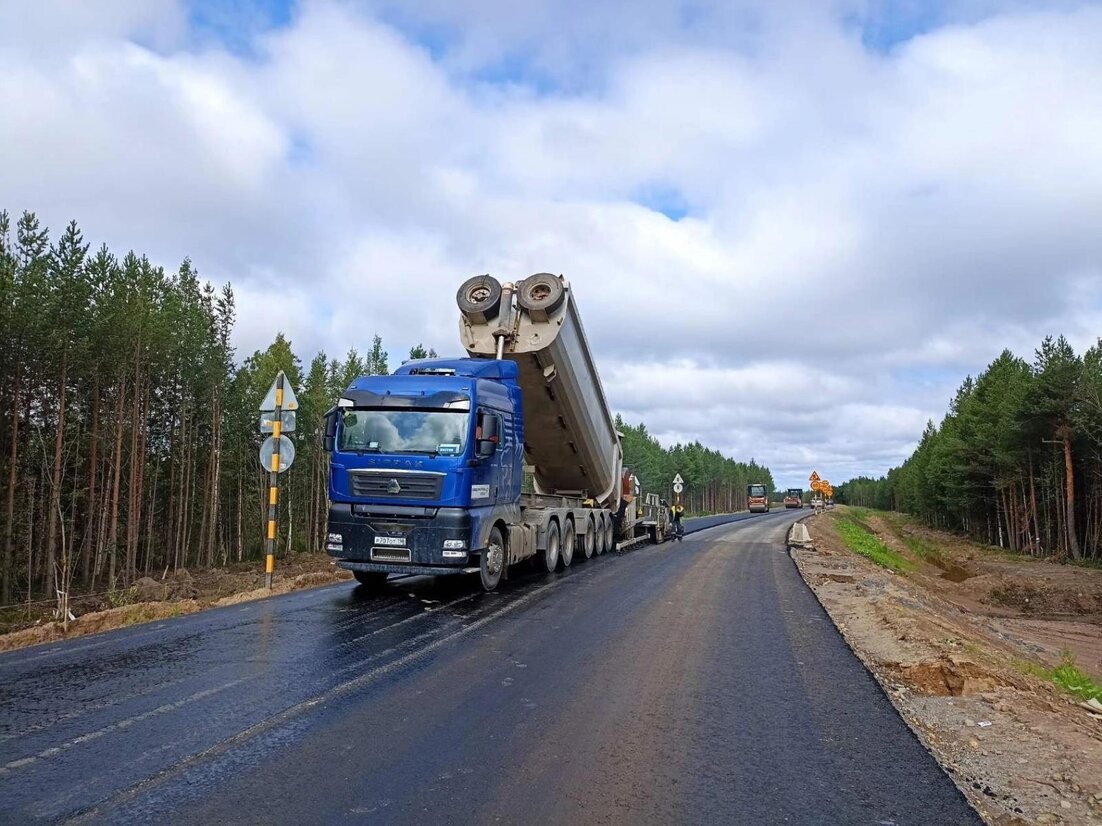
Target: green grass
(922, 548)
(1073, 681)
(1086, 563)
(860, 539)
(1066, 676)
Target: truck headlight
(455, 544)
(336, 539)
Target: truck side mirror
(488, 435)
(330, 429)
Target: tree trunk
(116, 483)
(93, 459)
(9, 557)
(1069, 476)
(240, 515)
(55, 478)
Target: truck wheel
(566, 553)
(549, 556)
(491, 563)
(373, 581)
(610, 535)
(589, 543)
(541, 293)
(479, 298)
(599, 535)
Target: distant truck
(469, 465)
(757, 498)
(794, 498)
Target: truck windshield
(757, 490)
(391, 430)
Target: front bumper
(417, 534)
(412, 570)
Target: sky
(791, 228)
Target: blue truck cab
(425, 463)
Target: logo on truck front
(393, 488)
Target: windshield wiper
(427, 452)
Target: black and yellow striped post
(273, 484)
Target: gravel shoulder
(960, 644)
(173, 595)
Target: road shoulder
(1021, 750)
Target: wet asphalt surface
(696, 682)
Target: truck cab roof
(466, 367)
(434, 383)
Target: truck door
(486, 476)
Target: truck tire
(491, 563)
(589, 539)
(541, 293)
(479, 298)
(599, 535)
(566, 551)
(372, 581)
(549, 556)
(610, 535)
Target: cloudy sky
(791, 227)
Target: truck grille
(390, 555)
(382, 485)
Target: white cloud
(863, 226)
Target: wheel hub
(495, 556)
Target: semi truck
(794, 498)
(473, 464)
(757, 498)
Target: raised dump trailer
(757, 498)
(472, 464)
(794, 498)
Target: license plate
(399, 541)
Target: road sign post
(276, 455)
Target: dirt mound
(948, 677)
(178, 586)
(314, 579)
(1044, 596)
(98, 621)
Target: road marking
(88, 709)
(121, 724)
(298, 708)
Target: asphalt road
(697, 682)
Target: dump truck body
(571, 440)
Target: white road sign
(677, 480)
(290, 402)
(678, 487)
(286, 453)
(286, 416)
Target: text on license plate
(390, 540)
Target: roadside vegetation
(1016, 462)
(861, 539)
(1068, 676)
(128, 428)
